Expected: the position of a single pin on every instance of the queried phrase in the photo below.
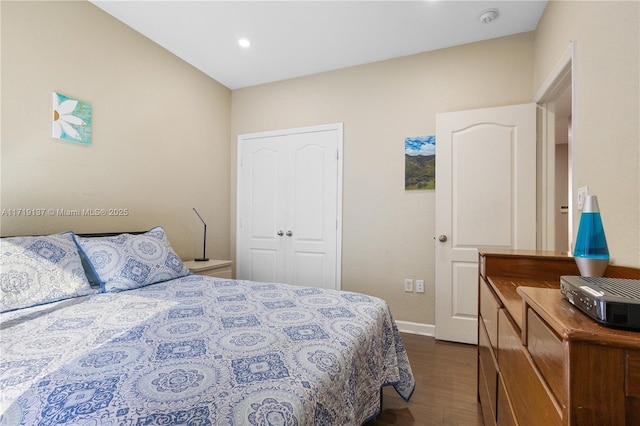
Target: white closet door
(312, 209)
(288, 206)
(262, 174)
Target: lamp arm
(202, 220)
(204, 243)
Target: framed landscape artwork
(420, 162)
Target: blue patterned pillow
(38, 270)
(129, 261)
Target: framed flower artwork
(71, 120)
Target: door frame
(562, 76)
(245, 138)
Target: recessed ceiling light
(488, 16)
(244, 43)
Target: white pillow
(129, 261)
(39, 270)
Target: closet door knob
(280, 233)
(442, 238)
(289, 233)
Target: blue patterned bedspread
(201, 351)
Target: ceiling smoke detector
(488, 16)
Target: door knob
(442, 238)
(289, 233)
(280, 233)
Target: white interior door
(289, 192)
(485, 197)
(311, 235)
(261, 209)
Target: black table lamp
(204, 257)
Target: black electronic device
(614, 302)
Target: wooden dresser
(540, 360)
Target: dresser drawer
(488, 370)
(532, 403)
(633, 374)
(489, 305)
(547, 352)
(218, 273)
(632, 390)
(506, 417)
(485, 394)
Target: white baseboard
(416, 328)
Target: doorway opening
(563, 136)
(555, 145)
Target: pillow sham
(38, 270)
(129, 261)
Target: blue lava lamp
(591, 253)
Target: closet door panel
(261, 248)
(312, 182)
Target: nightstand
(212, 268)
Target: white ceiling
(296, 38)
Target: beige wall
(387, 231)
(160, 129)
(606, 130)
(164, 134)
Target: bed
(116, 331)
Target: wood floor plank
(445, 394)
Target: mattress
(199, 350)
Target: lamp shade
(591, 252)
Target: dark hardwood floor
(445, 392)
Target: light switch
(583, 191)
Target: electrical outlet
(408, 285)
(419, 286)
(583, 191)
